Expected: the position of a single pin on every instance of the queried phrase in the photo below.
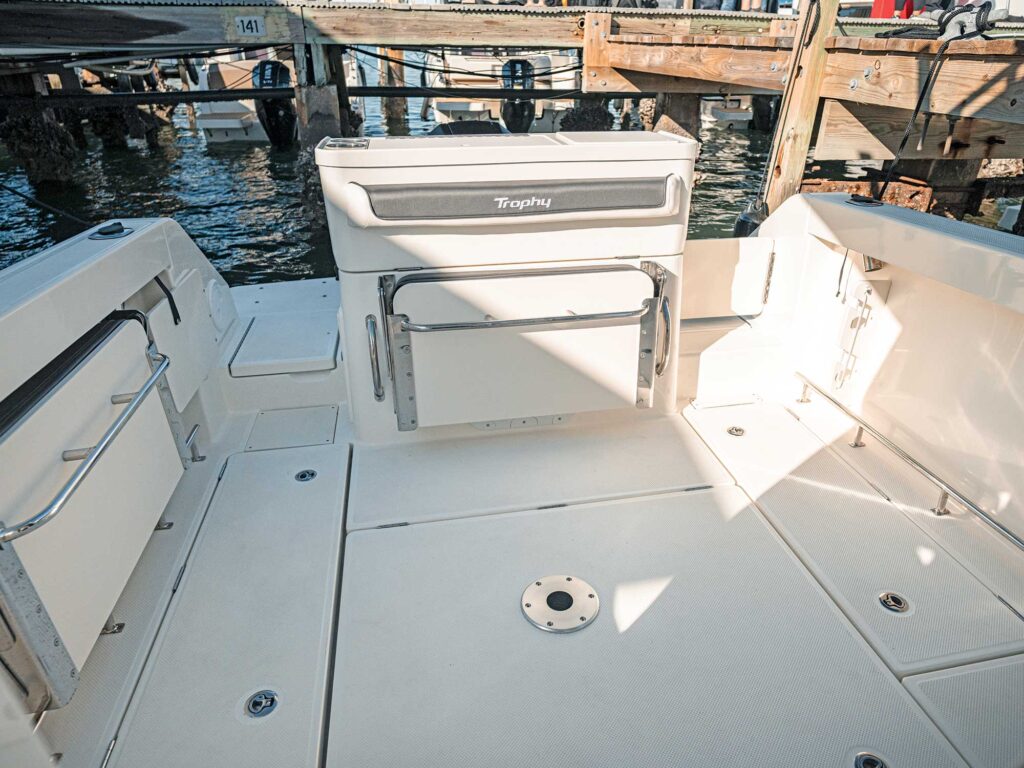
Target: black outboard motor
(517, 115)
(277, 116)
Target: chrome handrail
(666, 320)
(942, 485)
(526, 321)
(57, 504)
(371, 338)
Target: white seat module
(690, 660)
(506, 277)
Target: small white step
(288, 342)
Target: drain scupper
(560, 603)
(867, 760)
(261, 703)
(894, 602)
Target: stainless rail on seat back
(946, 490)
(51, 510)
(407, 325)
(655, 318)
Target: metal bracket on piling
(858, 439)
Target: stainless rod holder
(941, 507)
(858, 439)
(77, 454)
(193, 445)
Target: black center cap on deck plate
(559, 601)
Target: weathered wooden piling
(35, 137)
(393, 108)
(678, 113)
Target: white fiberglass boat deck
(532, 488)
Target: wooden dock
(849, 100)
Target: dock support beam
(799, 103)
(35, 138)
(952, 184)
(678, 113)
(393, 108)
(348, 120)
(316, 97)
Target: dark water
(244, 205)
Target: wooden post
(316, 98)
(393, 107)
(952, 183)
(679, 113)
(72, 117)
(799, 101)
(348, 120)
(186, 85)
(34, 137)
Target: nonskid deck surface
(585, 459)
(718, 640)
(253, 612)
(859, 545)
(713, 647)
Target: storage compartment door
(80, 562)
(518, 346)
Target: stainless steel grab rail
(371, 336)
(942, 485)
(57, 504)
(666, 320)
(407, 325)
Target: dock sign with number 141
(250, 26)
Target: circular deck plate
(560, 603)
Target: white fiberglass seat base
(713, 646)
